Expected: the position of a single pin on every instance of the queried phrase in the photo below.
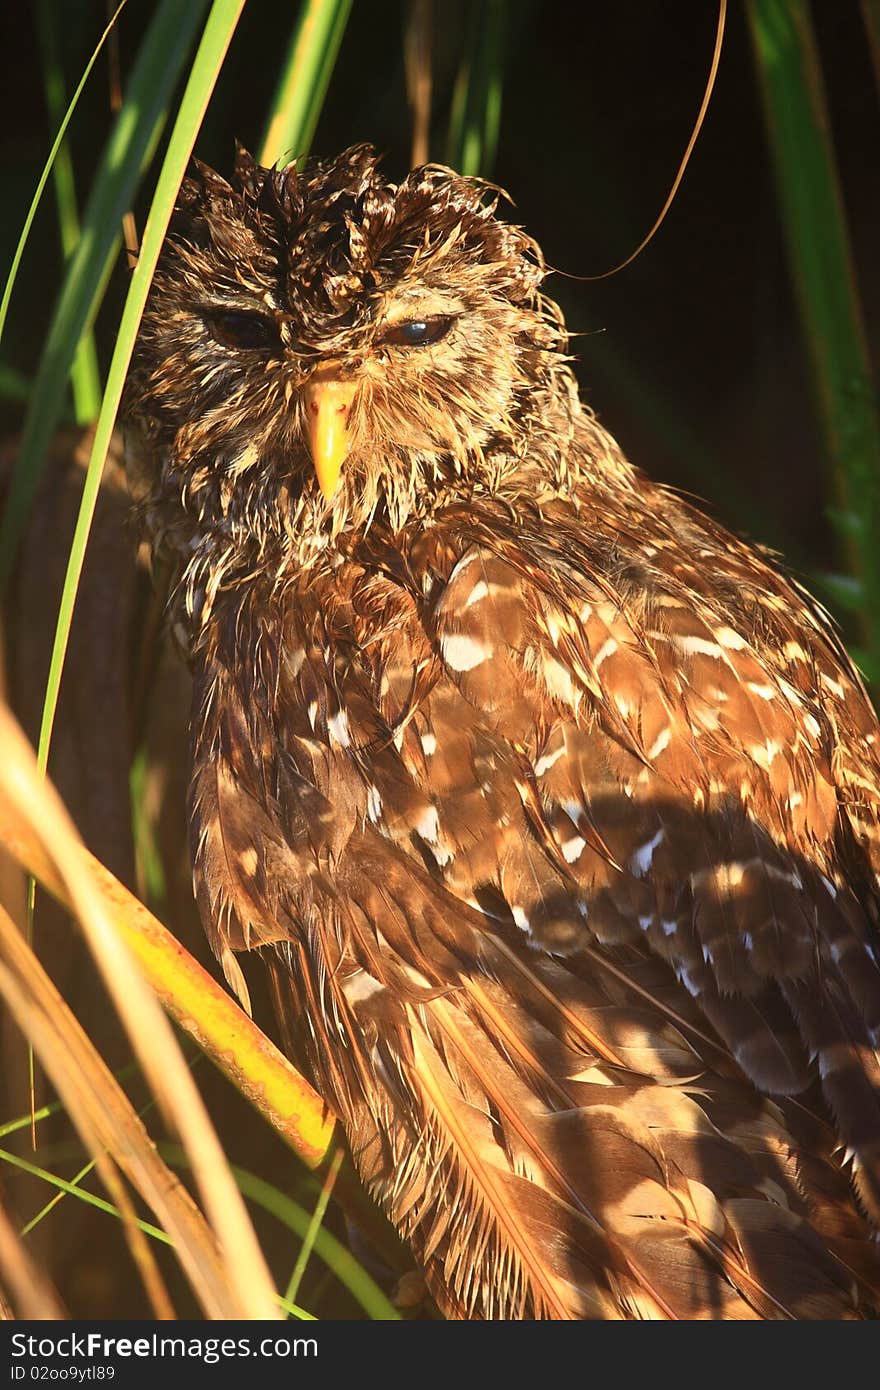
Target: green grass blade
(84, 375)
(52, 1203)
(27, 1121)
(148, 856)
(304, 79)
(73, 1190)
(297, 1220)
(216, 38)
(314, 1226)
(44, 177)
(88, 1167)
(475, 117)
(129, 150)
(824, 277)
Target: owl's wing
(688, 798)
(557, 879)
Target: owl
(552, 807)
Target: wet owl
(551, 805)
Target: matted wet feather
(552, 805)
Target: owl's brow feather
(337, 231)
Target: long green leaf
(129, 150)
(824, 276)
(220, 26)
(475, 117)
(84, 375)
(304, 78)
(315, 1223)
(44, 177)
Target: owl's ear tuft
(285, 186)
(209, 182)
(200, 190)
(211, 215)
(250, 176)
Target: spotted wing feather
(556, 938)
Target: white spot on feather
(553, 626)
(641, 860)
(559, 683)
(478, 907)
(295, 661)
(429, 743)
(248, 859)
(337, 728)
(477, 593)
(463, 653)
(546, 761)
(764, 753)
(608, 648)
(521, 918)
(697, 646)
(428, 825)
(573, 849)
(360, 986)
(830, 684)
(462, 564)
(765, 692)
(688, 981)
(660, 742)
(812, 726)
(374, 804)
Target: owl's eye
(241, 328)
(418, 332)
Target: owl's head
(324, 343)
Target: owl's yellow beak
(328, 398)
